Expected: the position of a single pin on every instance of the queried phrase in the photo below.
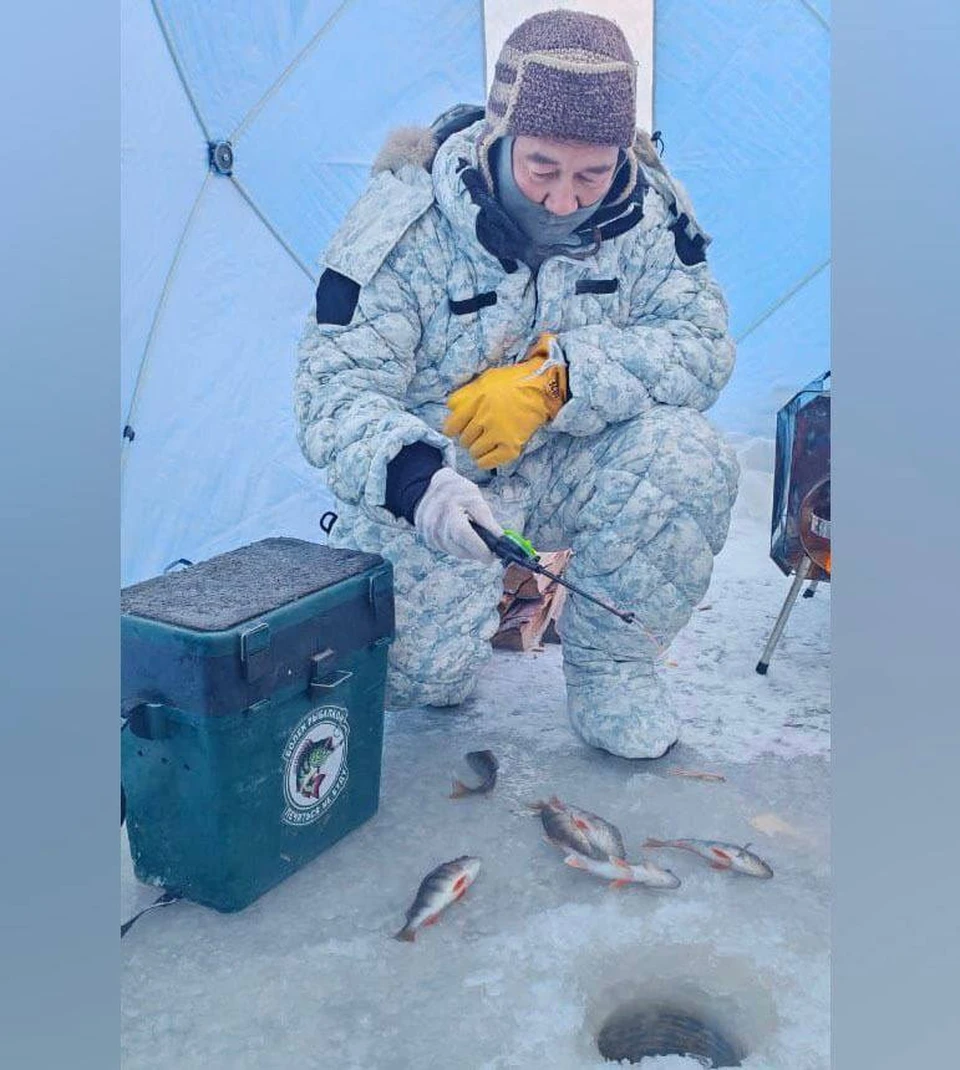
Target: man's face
(563, 175)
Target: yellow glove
(496, 414)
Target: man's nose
(561, 200)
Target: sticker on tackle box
(315, 764)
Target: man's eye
(542, 177)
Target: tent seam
(270, 227)
(161, 304)
(792, 292)
(816, 14)
(179, 69)
(287, 71)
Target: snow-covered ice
(524, 972)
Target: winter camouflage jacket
(413, 306)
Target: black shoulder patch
(597, 286)
(473, 304)
(337, 298)
(689, 250)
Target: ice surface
(525, 970)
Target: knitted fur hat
(566, 75)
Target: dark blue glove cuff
(408, 476)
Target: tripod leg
(803, 570)
(811, 590)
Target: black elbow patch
(337, 298)
(690, 250)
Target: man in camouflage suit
(516, 325)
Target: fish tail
(459, 789)
(406, 934)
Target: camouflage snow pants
(644, 505)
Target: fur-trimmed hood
(416, 146)
(407, 146)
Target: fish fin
(576, 861)
(655, 843)
(619, 884)
(554, 801)
(460, 884)
(580, 823)
(407, 935)
(620, 863)
(722, 855)
(537, 806)
(432, 920)
(719, 865)
(459, 789)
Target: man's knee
(663, 464)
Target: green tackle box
(252, 697)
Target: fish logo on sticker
(315, 765)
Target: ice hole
(641, 1028)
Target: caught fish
(721, 855)
(694, 774)
(438, 889)
(572, 829)
(484, 763)
(622, 872)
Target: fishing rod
(165, 900)
(513, 549)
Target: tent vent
(221, 157)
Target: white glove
(443, 516)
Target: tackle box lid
(226, 590)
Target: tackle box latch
(380, 596)
(323, 677)
(255, 650)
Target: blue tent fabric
(163, 169)
(742, 97)
(218, 272)
(307, 92)
(772, 360)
